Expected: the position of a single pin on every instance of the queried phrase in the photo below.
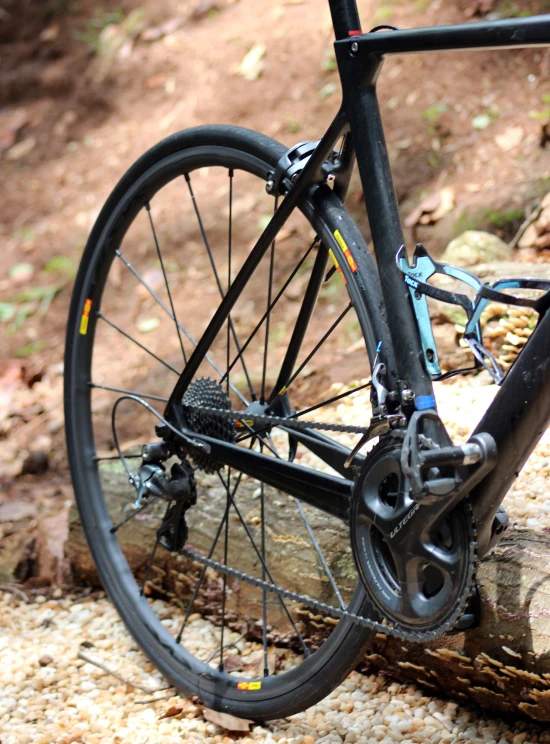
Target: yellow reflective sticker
(249, 685)
(85, 317)
(282, 391)
(347, 253)
(336, 264)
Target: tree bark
(503, 665)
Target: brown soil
(86, 117)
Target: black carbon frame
(520, 412)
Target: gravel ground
(49, 695)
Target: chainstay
(323, 608)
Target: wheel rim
(147, 325)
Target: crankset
(416, 558)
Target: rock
(475, 247)
(45, 660)
(13, 511)
(51, 564)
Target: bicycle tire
(319, 674)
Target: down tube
(517, 419)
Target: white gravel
(69, 698)
(48, 695)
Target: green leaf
(481, 122)
(546, 98)
(148, 324)
(37, 293)
(61, 265)
(434, 111)
(327, 90)
(7, 311)
(540, 115)
(329, 61)
(21, 271)
(25, 351)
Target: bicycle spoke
(253, 542)
(319, 344)
(203, 571)
(264, 592)
(319, 552)
(269, 290)
(137, 343)
(149, 566)
(303, 412)
(225, 549)
(135, 513)
(128, 392)
(270, 308)
(180, 325)
(148, 208)
(229, 251)
(217, 278)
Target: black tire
(317, 675)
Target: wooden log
(503, 665)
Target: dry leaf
(432, 208)
(429, 204)
(252, 64)
(446, 204)
(174, 710)
(21, 149)
(509, 139)
(233, 663)
(154, 279)
(231, 723)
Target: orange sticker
(336, 264)
(85, 317)
(346, 251)
(249, 685)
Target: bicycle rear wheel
(165, 248)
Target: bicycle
(243, 408)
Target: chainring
(207, 393)
(418, 571)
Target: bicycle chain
(321, 607)
(289, 423)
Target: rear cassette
(207, 393)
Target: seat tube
(345, 18)
(361, 106)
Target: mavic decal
(85, 317)
(346, 251)
(249, 685)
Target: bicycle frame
(520, 412)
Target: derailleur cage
(416, 277)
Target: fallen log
(503, 665)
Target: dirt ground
(86, 88)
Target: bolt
(407, 395)
(430, 355)
(417, 295)
(295, 177)
(269, 187)
(354, 47)
(331, 178)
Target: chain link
(289, 423)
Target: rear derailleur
(179, 489)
